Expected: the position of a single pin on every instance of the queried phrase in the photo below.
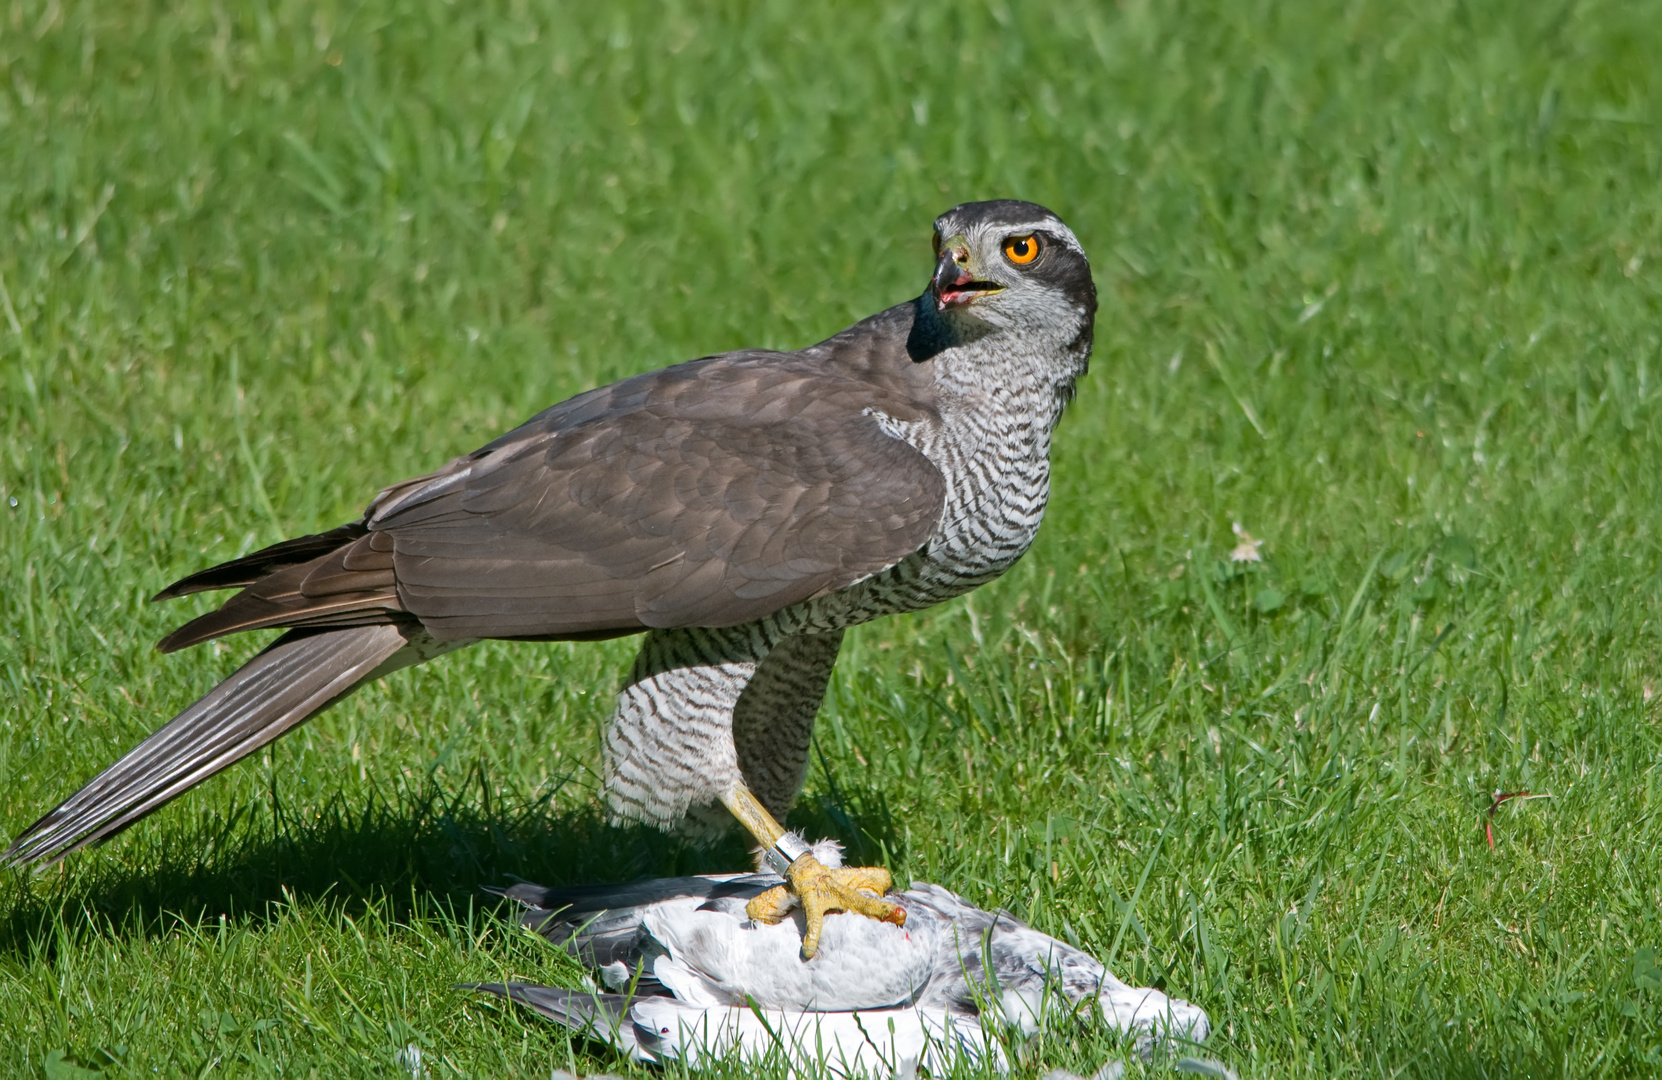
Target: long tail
(601, 1016)
(300, 675)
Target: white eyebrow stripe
(1049, 225)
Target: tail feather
(300, 675)
(601, 1016)
(249, 569)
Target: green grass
(1381, 282)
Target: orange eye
(1021, 250)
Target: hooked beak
(955, 283)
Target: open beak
(955, 283)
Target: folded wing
(708, 494)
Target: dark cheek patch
(1063, 268)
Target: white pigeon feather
(869, 1043)
(697, 980)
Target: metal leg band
(785, 851)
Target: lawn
(1381, 288)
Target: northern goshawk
(741, 510)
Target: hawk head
(1013, 284)
(1011, 264)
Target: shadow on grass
(416, 849)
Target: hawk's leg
(727, 716)
(820, 889)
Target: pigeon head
(1011, 264)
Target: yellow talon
(771, 906)
(821, 890)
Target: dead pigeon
(694, 978)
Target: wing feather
(725, 491)
(707, 494)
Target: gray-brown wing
(705, 495)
